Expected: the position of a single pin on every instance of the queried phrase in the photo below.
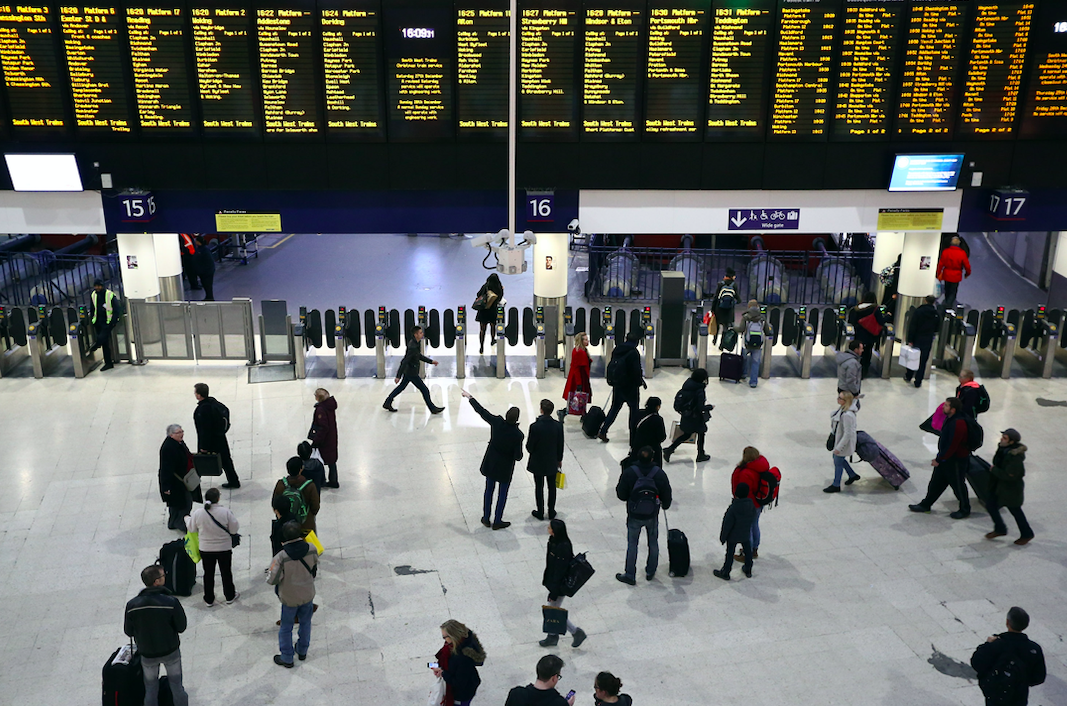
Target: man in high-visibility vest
(104, 311)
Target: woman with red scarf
(577, 373)
(458, 662)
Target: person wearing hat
(104, 312)
(1006, 486)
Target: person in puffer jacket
(293, 571)
(843, 426)
(1006, 486)
(457, 663)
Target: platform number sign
(137, 208)
(540, 207)
(1008, 205)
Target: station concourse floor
(854, 601)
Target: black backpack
(615, 374)
(644, 498)
(983, 401)
(224, 412)
(771, 480)
(975, 433)
(1005, 684)
(683, 401)
(727, 296)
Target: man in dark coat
(409, 371)
(737, 529)
(971, 394)
(155, 619)
(498, 464)
(323, 433)
(204, 264)
(950, 466)
(637, 518)
(1006, 486)
(211, 427)
(725, 300)
(1001, 681)
(545, 446)
(649, 431)
(922, 327)
(174, 462)
(626, 388)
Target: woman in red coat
(952, 267)
(578, 373)
(323, 433)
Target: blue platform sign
(540, 207)
(764, 219)
(137, 208)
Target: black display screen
(160, 74)
(288, 67)
(419, 46)
(225, 79)
(737, 84)
(933, 51)
(803, 76)
(992, 90)
(352, 68)
(863, 109)
(94, 42)
(483, 36)
(674, 68)
(33, 80)
(613, 47)
(549, 31)
(1045, 112)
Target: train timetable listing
(547, 60)
(224, 75)
(31, 70)
(1045, 112)
(351, 46)
(800, 107)
(419, 48)
(931, 63)
(160, 77)
(864, 108)
(92, 39)
(739, 49)
(612, 47)
(673, 67)
(483, 35)
(993, 87)
(287, 51)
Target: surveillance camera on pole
(510, 256)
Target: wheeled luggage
(731, 367)
(179, 568)
(677, 551)
(123, 679)
(978, 477)
(592, 421)
(890, 467)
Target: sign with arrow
(764, 219)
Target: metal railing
(32, 279)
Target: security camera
(573, 227)
(490, 239)
(530, 237)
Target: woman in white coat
(843, 433)
(216, 526)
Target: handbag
(437, 693)
(192, 546)
(578, 573)
(831, 441)
(313, 540)
(479, 303)
(676, 431)
(191, 480)
(561, 480)
(577, 403)
(317, 455)
(870, 323)
(235, 538)
(909, 357)
(555, 620)
(928, 426)
(937, 419)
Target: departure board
(1045, 113)
(612, 45)
(673, 87)
(740, 42)
(351, 66)
(932, 55)
(992, 90)
(864, 106)
(28, 57)
(160, 76)
(548, 59)
(287, 68)
(801, 105)
(92, 37)
(419, 46)
(224, 76)
(483, 36)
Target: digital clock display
(417, 32)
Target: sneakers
(501, 525)
(387, 405)
(629, 580)
(918, 508)
(579, 638)
(994, 534)
(721, 574)
(282, 663)
(549, 641)
(959, 515)
(852, 480)
(701, 458)
(212, 604)
(832, 489)
(235, 597)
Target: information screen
(419, 46)
(160, 76)
(288, 69)
(224, 76)
(801, 105)
(864, 106)
(926, 172)
(92, 37)
(29, 58)
(483, 39)
(673, 73)
(1045, 114)
(932, 54)
(740, 47)
(612, 44)
(548, 59)
(993, 87)
(351, 68)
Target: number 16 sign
(539, 207)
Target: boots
(549, 641)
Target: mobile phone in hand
(432, 665)
(570, 694)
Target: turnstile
(501, 345)
(797, 334)
(997, 337)
(955, 342)
(14, 345)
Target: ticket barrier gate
(14, 345)
(1039, 337)
(955, 342)
(609, 338)
(47, 339)
(837, 332)
(997, 337)
(539, 324)
(887, 348)
(797, 334)
(649, 341)
(501, 344)
(296, 336)
(700, 360)
(768, 344)
(381, 330)
(81, 342)
(568, 340)
(461, 341)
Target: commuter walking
(293, 571)
(725, 300)
(323, 433)
(457, 663)
(649, 430)
(842, 441)
(212, 421)
(737, 529)
(626, 378)
(1010, 663)
(922, 327)
(952, 268)
(750, 472)
(105, 311)
(868, 322)
(313, 468)
(155, 619)
(606, 688)
(1006, 486)
(691, 403)
(558, 558)
(753, 328)
(188, 248)
(300, 492)
(216, 526)
(542, 692)
(973, 397)
(409, 373)
(498, 463)
(175, 462)
(486, 302)
(950, 465)
(645, 488)
(545, 446)
(578, 374)
(850, 368)
(204, 261)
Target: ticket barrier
(887, 347)
(568, 340)
(997, 337)
(768, 344)
(47, 341)
(461, 341)
(700, 361)
(14, 346)
(340, 342)
(381, 329)
(501, 344)
(81, 342)
(798, 336)
(422, 344)
(296, 335)
(1039, 337)
(609, 338)
(837, 332)
(955, 342)
(540, 342)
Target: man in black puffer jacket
(626, 384)
(922, 327)
(154, 619)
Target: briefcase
(207, 464)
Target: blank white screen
(43, 172)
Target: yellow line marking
(271, 247)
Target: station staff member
(104, 311)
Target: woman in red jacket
(323, 433)
(952, 267)
(748, 472)
(578, 373)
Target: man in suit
(545, 446)
(211, 427)
(409, 371)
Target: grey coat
(849, 374)
(296, 585)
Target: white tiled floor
(854, 600)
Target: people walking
(216, 526)
(725, 300)
(105, 311)
(1006, 486)
(850, 368)
(922, 327)
(293, 571)
(314, 471)
(204, 262)
(691, 403)
(626, 378)
(1010, 663)
(498, 463)
(737, 530)
(212, 421)
(300, 492)
(842, 441)
(578, 374)
(950, 465)
(487, 300)
(408, 372)
(649, 430)
(545, 446)
(323, 433)
(457, 663)
(645, 488)
(868, 322)
(973, 397)
(557, 563)
(155, 619)
(750, 472)
(753, 329)
(175, 462)
(952, 268)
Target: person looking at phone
(543, 691)
(457, 663)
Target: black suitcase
(677, 551)
(978, 476)
(123, 682)
(179, 568)
(731, 367)
(166, 697)
(592, 420)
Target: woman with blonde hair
(842, 440)
(578, 373)
(458, 662)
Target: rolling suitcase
(179, 568)
(123, 679)
(978, 477)
(592, 421)
(890, 467)
(731, 367)
(677, 550)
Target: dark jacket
(649, 430)
(861, 311)
(530, 695)
(952, 443)
(557, 563)
(968, 394)
(737, 521)
(488, 316)
(545, 446)
(204, 260)
(409, 364)
(174, 461)
(461, 674)
(989, 655)
(315, 473)
(693, 417)
(154, 619)
(628, 478)
(728, 310)
(924, 323)
(210, 425)
(1006, 475)
(310, 493)
(504, 449)
(323, 432)
(630, 376)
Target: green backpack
(297, 505)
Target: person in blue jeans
(843, 428)
(645, 488)
(753, 330)
(293, 572)
(498, 463)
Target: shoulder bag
(235, 538)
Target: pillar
(169, 266)
(137, 256)
(550, 267)
(918, 267)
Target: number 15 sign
(137, 208)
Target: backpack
(754, 335)
(983, 401)
(683, 401)
(771, 480)
(727, 296)
(975, 433)
(297, 505)
(644, 498)
(224, 412)
(615, 374)
(1005, 684)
